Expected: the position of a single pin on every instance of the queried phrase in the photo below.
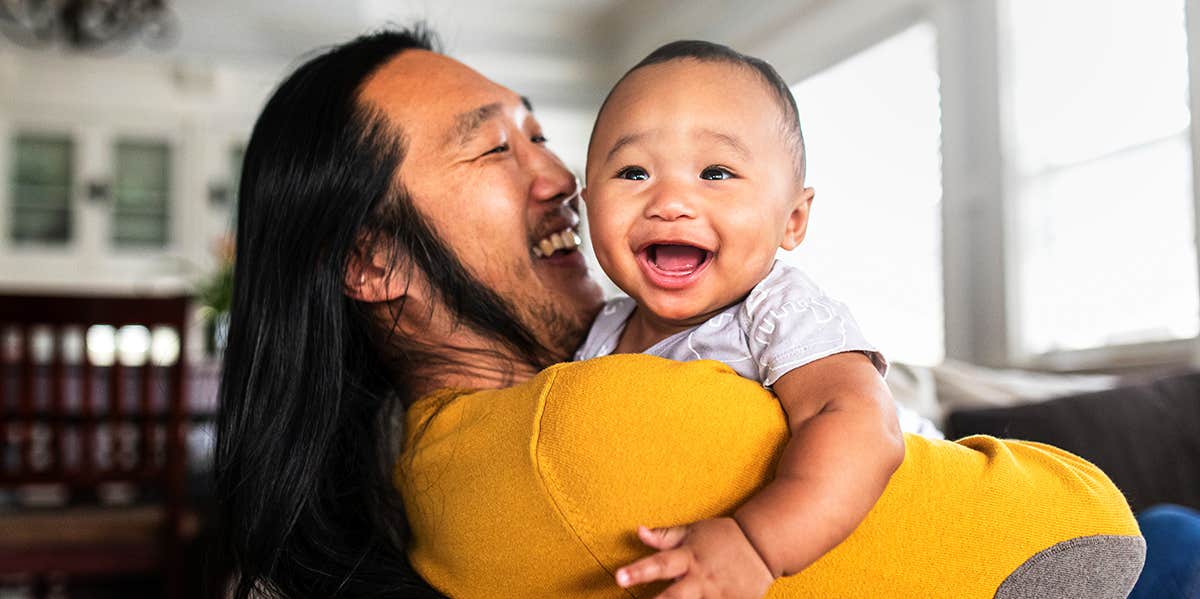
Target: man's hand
(708, 559)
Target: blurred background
(1006, 199)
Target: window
(141, 194)
(872, 128)
(1102, 182)
(41, 189)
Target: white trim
(1158, 353)
(975, 215)
(1192, 24)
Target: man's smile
(565, 240)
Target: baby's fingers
(688, 588)
(662, 538)
(664, 565)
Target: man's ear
(376, 276)
(797, 221)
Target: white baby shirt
(785, 322)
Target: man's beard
(538, 330)
(560, 333)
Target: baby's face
(691, 187)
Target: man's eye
(538, 139)
(716, 173)
(633, 173)
(497, 150)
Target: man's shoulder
(631, 371)
(645, 384)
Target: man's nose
(551, 180)
(669, 202)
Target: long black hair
(306, 503)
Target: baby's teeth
(546, 246)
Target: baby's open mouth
(673, 266)
(675, 259)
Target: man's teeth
(566, 239)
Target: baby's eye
(633, 173)
(716, 173)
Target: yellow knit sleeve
(536, 490)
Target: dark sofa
(1145, 437)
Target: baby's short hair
(712, 52)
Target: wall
(203, 105)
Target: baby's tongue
(677, 258)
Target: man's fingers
(662, 538)
(664, 565)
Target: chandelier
(88, 24)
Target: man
(390, 207)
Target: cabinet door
(141, 206)
(40, 183)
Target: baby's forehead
(720, 77)
(715, 99)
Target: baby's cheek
(604, 229)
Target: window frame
(1157, 353)
(821, 38)
(74, 187)
(170, 210)
(67, 186)
(979, 218)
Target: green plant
(215, 292)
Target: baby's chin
(679, 309)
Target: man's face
(477, 168)
(691, 187)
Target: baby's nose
(670, 205)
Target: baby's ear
(797, 220)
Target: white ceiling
(564, 52)
(551, 46)
(279, 29)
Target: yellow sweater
(536, 490)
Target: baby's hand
(707, 559)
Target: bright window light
(1098, 146)
(872, 124)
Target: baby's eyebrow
(725, 139)
(623, 141)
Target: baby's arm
(845, 444)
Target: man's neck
(475, 366)
(444, 353)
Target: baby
(695, 177)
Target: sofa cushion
(1145, 437)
